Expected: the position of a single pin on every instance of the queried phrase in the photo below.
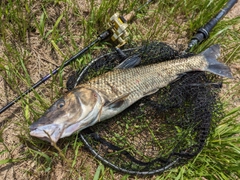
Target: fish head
(75, 111)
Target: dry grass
(37, 36)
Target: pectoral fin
(118, 102)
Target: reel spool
(118, 26)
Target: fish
(109, 94)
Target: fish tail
(211, 54)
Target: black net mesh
(159, 131)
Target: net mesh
(159, 131)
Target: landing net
(160, 131)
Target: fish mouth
(50, 133)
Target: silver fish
(109, 94)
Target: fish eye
(61, 104)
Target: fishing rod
(203, 32)
(201, 35)
(117, 32)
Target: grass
(37, 36)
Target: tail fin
(211, 54)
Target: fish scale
(142, 80)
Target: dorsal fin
(130, 62)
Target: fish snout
(33, 126)
(50, 132)
(42, 121)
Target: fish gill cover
(159, 131)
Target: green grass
(37, 36)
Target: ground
(44, 58)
